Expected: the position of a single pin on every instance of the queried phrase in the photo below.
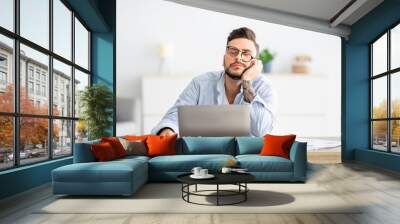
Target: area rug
(167, 198)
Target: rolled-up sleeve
(189, 96)
(262, 110)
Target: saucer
(208, 176)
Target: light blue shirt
(209, 89)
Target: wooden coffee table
(238, 179)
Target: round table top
(220, 178)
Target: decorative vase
(302, 64)
(267, 67)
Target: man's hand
(167, 132)
(253, 71)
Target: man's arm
(169, 122)
(262, 110)
(248, 92)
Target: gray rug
(166, 198)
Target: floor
(378, 188)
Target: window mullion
(370, 97)
(16, 84)
(50, 81)
(389, 107)
(73, 82)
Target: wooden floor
(377, 188)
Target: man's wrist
(246, 84)
(248, 92)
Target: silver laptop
(212, 120)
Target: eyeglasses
(245, 55)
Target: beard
(234, 75)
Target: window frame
(388, 74)
(15, 71)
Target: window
(3, 61)
(6, 142)
(33, 149)
(6, 73)
(44, 91)
(30, 87)
(62, 29)
(62, 75)
(81, 45)
(54, 126)
(385, 91)
(37, 75)
(62, 137)
(7, 14)
(38, 89)
(35, 21)
(81, 81)
(3, 78)
(30, 72)
(43, 77)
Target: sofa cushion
(103, 152)
(83, 152)
(277, 145)
(134, 147)
(116, 145)
(133, 158)
(185, 163)
(111, 171)
(161, 145)
(208, 145)
(249, 145)
(257, 163)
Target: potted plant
(266, 57)
(96, 102)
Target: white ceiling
(316, 15)
(320, 9)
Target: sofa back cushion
(116, 145)
(104, 152)
(83, 152)
(207, 145)
(249, 145)
(277, 145)
(161, 145)
(134, 147)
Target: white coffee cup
(226, 170)
(196, 170)
(203, 172)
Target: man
(239, 83)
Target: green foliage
(96, 102)
(266, 56)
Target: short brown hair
(243, 32)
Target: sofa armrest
(83, 152)
(298, 155)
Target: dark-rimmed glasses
(245, 55)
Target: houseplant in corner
(96, 102)
(266, 57)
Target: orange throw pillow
(161, 145)
(116, 145)
(277, 145)
(103, 152)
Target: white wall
(199, 39)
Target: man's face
(234, 66)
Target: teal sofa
(125, 176)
